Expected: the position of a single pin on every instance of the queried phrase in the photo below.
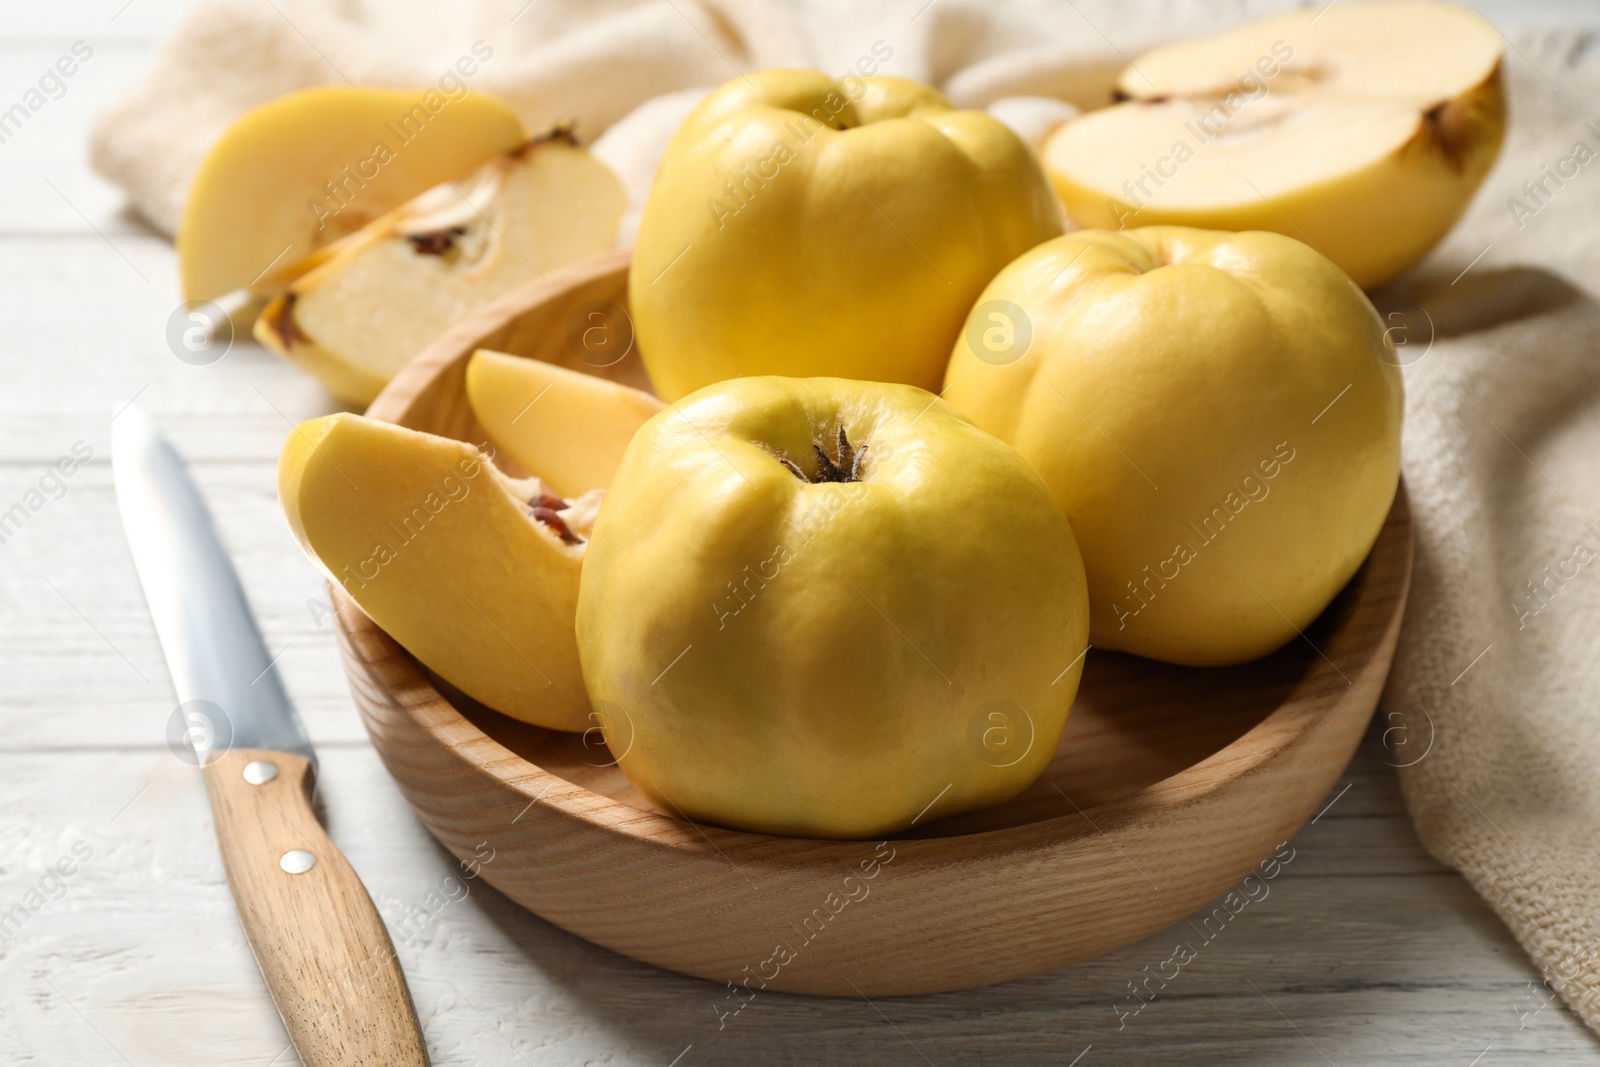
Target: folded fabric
(570, 60)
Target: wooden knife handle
(318, 939)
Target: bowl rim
(1320, 692)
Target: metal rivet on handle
(260, 772)
(297, 861)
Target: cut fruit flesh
(1362, 131)
(298, 173)
(446, 555)
(389, 290)
(565, 426)
(1275, 147)
(1414, 53)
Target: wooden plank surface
(1366, 951)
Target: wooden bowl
(1170, 784)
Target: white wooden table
(1367, 951)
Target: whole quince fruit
(1217, 413)
(828, 608)
(802, 226)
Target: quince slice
(355, 319)
(296, 174)
(474, 573)
(568, 427)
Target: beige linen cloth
(1493, 711)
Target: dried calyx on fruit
(847, 468)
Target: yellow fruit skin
(849, 252)
(247, 213)
(820, 659)
(420, 532)
(574, 426)
(1219, 416)
(1374, 223)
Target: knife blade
(208, 636)
(321, 945)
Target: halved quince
(474, 573)
(568, 427)
(296, 174)
(382, 295)
(1362, 129)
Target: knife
(319, 941)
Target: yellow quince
(828, 608)
(802, 226)
(1217, 413)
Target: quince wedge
(1362, 129)
(474, 573)
(298, 173)
(567, 427)
(384, 293)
